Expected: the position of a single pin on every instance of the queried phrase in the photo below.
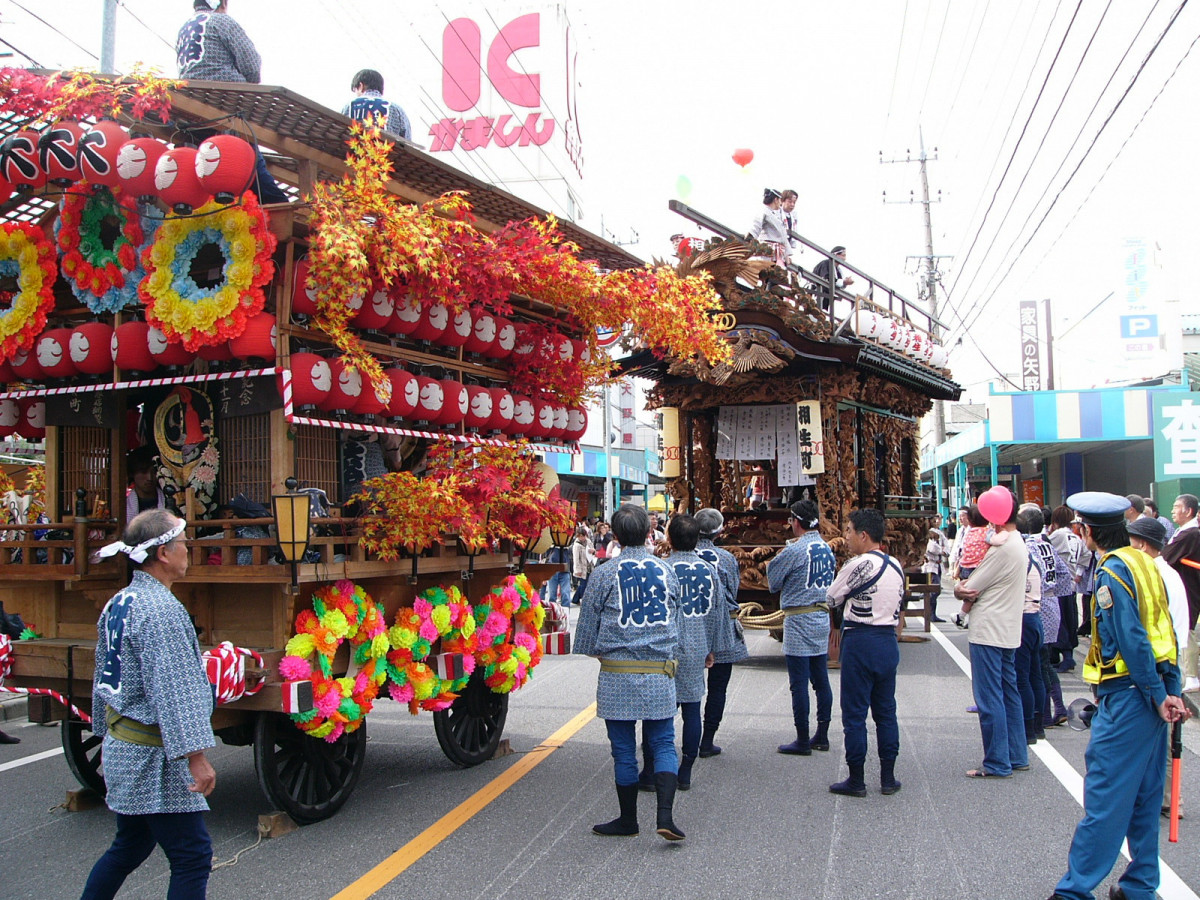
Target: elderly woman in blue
(629, 620)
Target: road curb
(13, 707)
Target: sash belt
(797, 610)
(639, 667)
(131, 731)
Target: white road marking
(1171, 886)
(24, 761)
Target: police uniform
(731, 641)
(1132, 664)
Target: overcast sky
(817, 90)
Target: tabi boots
(665, 784)
(625, 825)
(820, 740)
(854, 786)
(685, 772)
(707, 747)
(800, 746)
(887, 777)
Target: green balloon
(683, 187)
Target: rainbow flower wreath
(104, 276)
(208, 316)
(341, 612)
(509, 653)
(441, 616)
(28, 256)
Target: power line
(1092, 145)
(22, 53)
(123, 4)
(933, 65)
(961, 79)
(895, 70)
(55, 30)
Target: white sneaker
(1191, 685)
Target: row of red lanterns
(184, 178)
(328, 385)
(25, 417)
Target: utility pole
(932, 276)
(108, 38)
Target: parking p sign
(1139, 327)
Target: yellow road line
(392, 867)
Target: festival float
(344, 396)
(818, 396)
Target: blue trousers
(691, 728)
(1028, 661)
(622, 736)
(718, 685)
(1122, 795)
(558, 588)
(183, 837)
(994, 684)
(870, 657)
(801, 671)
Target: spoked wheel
(306, 777)
(470, 730)
(82, 749)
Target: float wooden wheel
(308, 778)
(82, 748)
(469, 731)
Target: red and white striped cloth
(225, 666)
(6, 664)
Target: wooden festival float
(818, 399)
(343, 395)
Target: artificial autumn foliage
(80, 95)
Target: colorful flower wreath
(341, 612)
(441, 616)
(208, 316)
(510, 656)
(27, 256)
(105, 278)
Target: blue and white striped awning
(1102, 414)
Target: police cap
(1150, 530)
(1099, 507)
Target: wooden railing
(56, 551)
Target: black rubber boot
(646, 776)
(625, 825)
(1030, 732)
(887, 777)
(854, 786)
(685, 772)
(665, 784)
(800, 746)
(820, 740)
(707, 747)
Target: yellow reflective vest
(1151, 596)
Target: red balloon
(225, 166)
(404, 394)
(502, 410)
(98, 149)
(996, 504)
(53, 350)
(743, 156)
(407, 316)
(434, 322)
(32, 426)
(58, 152)
(165, 352)
(483, 332)
(524, 416)
(258, 341)
(19, 160)
(506, 340)
(131, 347)
(455, 402)
(376, 310)
(90, 346)
(430, 398)
(304, 298)
(312, 378)
(137, 161)
(458, 332)
(25, 366)
(479, 407)
(345, 387)
(577, 420)
(177, 183)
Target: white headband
(139, 553)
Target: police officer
(1132, 664)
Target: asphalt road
(759, 824)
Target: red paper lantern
(524, 418)
(53, 351)
(560, 423)
(506, 340)
(375, 311)
(459, 330)
(407, 316)
(455, 402)
(543, 419)
(479, 407)
(434, 322)
(563, 347)
(90, 347)
(137, 161)
(165, 352)
(58, 152)
(25, 366)
(131, 347)
(6, 189)
(177, 183)
(345, 387)
(258, 340)
(19, 161)
(503, 406)
(579, 351)
(430, 399)
(6, 373)
(483, 332)
(32, 426)
(577, 420)
(10, 416)
(312, 378)
(524, 343)
(216, 353)
(405, 394)
(225, 166)
(368, 403)
(304, 298)
(98, 150)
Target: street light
(291, 512)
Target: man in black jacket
(1183, 553)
